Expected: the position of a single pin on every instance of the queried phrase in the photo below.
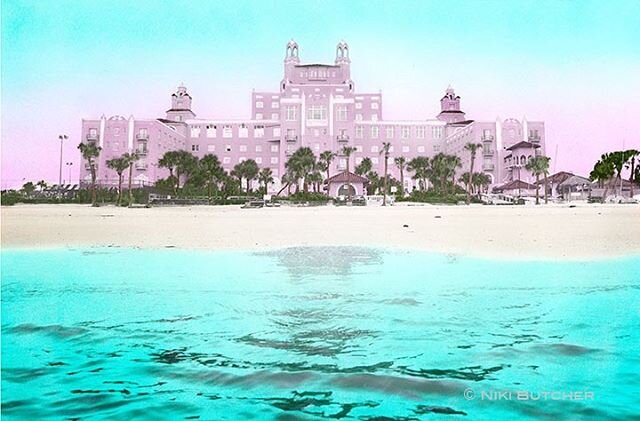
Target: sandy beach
(582, 232)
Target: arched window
(523, 160)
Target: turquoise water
(311, 333)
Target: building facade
(317, 106)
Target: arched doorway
(346, 190)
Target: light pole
(69, 165)
(62, 138)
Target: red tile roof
(347, 177)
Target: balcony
(291, 138)
(142, 137)
(141, 165)
(288, 152)
(487, 138)
(142, 152)
(342, 138)
(488, 167)
(534, 138)
(487, 152)
(93, 137)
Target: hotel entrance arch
(347, 190)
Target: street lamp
(69, 165)
(62, 138)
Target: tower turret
(450, 107)
(343, 60)
(180, 105)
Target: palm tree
(347, 151)
(90, 151)
(386, 146)
(265, 177)
(324, 161)
(130, 159)
(213, 171)
(603, 172)
(169, 161)
(301, 163)
(251, 171)
(472, 148)
(315, 178)
(364, 167)
(185, 163)
(28, 188)
(118, 165)
(632, 154)
(401, 163)
(539, 165)
(421, 168)
(42, 185)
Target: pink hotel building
(316, 106)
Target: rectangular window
(359, 132)
(243, 148)
(275, 116)
(420, 132)
(211, 148)
(374, 105)
(243, 131)
(274, 159)
(258, 148)
(436, 132)
(420, 149)
(227, 131)
(375, 132)
(341, 113)
(258, 131)
(195, 148)
(358, 105)
(211, 130)
(276, 132)
(359, 148)
(258, 160)
(195, 131)
(374, 160)
(275, 105)
(389, 132)
(405, 149)
(358, 117)
(259, 104)
(374, 117)
(317, 112)
(342, 163)
(375, 149)
(405, 132)
(316, 146)
(274, 148)
(226, 160)
(292, 113)
(258, 116)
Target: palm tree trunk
(130, 192)
(177, 185)
(119, 188)
(632, 176)
(470, 179)
(538, 189)
(94, 197)
(209, 190)
(384, 194)
(546, 198)
(401, 182)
